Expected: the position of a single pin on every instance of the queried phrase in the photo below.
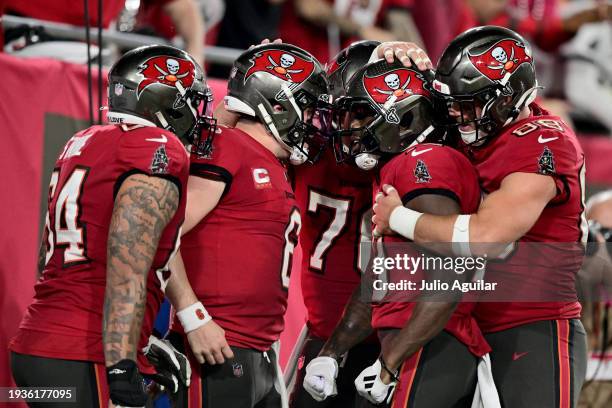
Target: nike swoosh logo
(415, 153)
(543, 140)
(516, 356)
(162, 139)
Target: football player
(335, 200)
(532, 167)
(115, 207)
(384, 120)
(243, 224)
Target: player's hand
(404, 52)
(208, 344)
(386, 201)
(320, 378)
(370, 385)
(172, 366)
(126, 387)
(267, 41)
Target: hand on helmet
(406, 53)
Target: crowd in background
(572, 37)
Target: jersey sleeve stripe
(411, 195)
(127, 174)
(212, 172)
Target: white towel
(485, 395)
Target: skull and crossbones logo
(170, 74)
(505, 63)
(395, 88)
(286, 62)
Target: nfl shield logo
(237, 370)
(118, 89)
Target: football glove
(370, 386)
(126, 387)
(172, 366)
(320, 378)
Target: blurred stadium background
(53, 50)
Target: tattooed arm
(143, 207)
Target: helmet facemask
(364, 136)
(205, 126)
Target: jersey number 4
(62, 222)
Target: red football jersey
(238, 259)
(336, 202)
(65, 319)
(540, 144)
(431, 169)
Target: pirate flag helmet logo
(393, 86)
(165, 70)
(501, 59)
(282, 64)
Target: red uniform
(238, 259)
(540, 144)
(336, 200)
(65, 319)
(431, 169)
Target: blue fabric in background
(161, 325)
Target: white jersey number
(64, 230)
(336, 226)
(292, 232)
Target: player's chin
(467, 128)
(283, 154)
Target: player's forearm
(354, 327)
(189, 23)
(143, 207)
(427, 320)
(179, 291)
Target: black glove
(171, 365)
(126, 387)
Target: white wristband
(193, 317)
(403, 221)
(461, 236)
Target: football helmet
(484, 78)
(387, 109)
(346, 63)
(162, 86)
(281, 85)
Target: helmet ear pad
(277, 116)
